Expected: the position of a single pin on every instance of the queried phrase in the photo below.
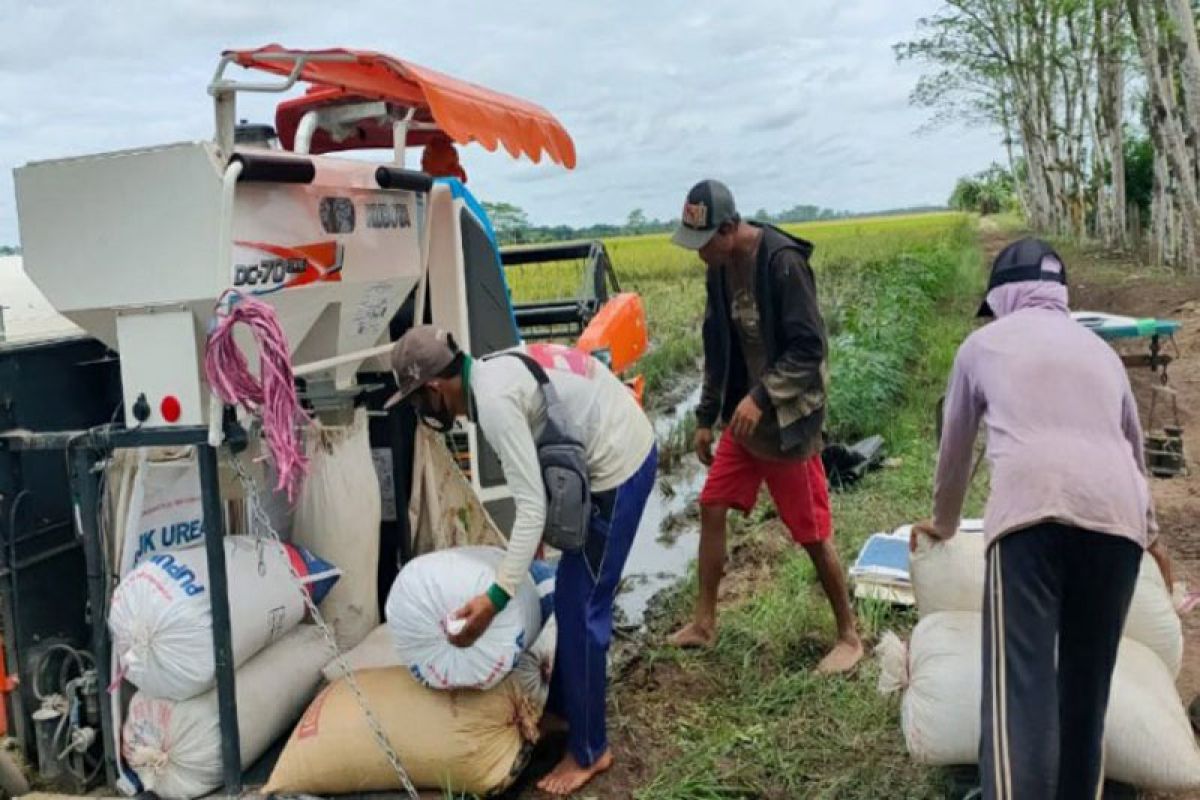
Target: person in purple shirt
(1068, 518)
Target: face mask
(440, 419)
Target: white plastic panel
(159, 360)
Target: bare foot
(693, 635)
(569, 777)
(844, 656)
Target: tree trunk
(1160, 212)
(1183, 31)
(1021, 186)
(1166, 125)
(1110, 145)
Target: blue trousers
(583, 603)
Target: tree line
(1089, 95)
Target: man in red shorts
(764, 378)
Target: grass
(766, 726)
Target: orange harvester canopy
(463, 111)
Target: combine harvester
(137, 248)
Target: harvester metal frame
(86, 452)
(546, 319)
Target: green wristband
(498, 596)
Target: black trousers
(1054, 607)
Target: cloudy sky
(789, 102)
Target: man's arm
(796, 371)
(960, 426)
(506, 427)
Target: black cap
(708, 205)
(1026, 259)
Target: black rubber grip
(406, 179)
(274, 169)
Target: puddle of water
(655, 564)
(665, 421)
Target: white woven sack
(1148, 740)
(175, 746)
(948, 576)
(427, 592)
(337, 516)
(165, 512)
(533, 669)
(161, 614)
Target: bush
(876, 312)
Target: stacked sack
(460, 720)
(1148, 740)
(432, 587)
(161, 624)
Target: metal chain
(259, 516)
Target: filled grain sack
(377, 650)
(420, 606)
(1153, 620)
(948, 576)
(154, 505)
(444, 510)
(463, 740)
(161, 614)
(175, 746)
(164, 512)
(1148, 740)
(338, 515)
(533, 669)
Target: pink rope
(274, 397)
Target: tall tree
(1051, 76)
(636, 223)
(510, 222)
(1109, 37)
(1175, 210)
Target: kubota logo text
(265, 268)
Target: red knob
(170, 408)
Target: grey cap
(708, 205)
(421, 354)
